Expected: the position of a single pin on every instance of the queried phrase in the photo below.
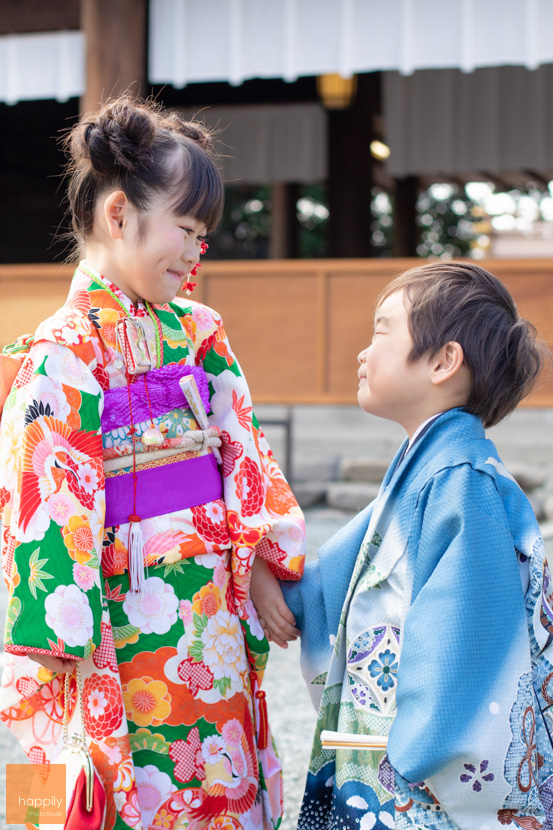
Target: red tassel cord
(262, 718)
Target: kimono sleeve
(465, 668)
(52, 486)
(262, 513)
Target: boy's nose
(361, 356)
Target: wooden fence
(296, 325)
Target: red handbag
(85, 794)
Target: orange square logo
(35, 793)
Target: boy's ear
(447, 362)
(116, 208)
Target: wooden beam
(406, 232)
(116, 49)
(350, 171)
(284, 241)
(24, 16)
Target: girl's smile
(147, 255)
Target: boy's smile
(389, 386)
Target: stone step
(362, 469)
(350, 495)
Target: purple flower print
(476, 779)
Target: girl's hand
(54, 664)
(277, 621)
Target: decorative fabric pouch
(136, 337)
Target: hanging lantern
(335, 91)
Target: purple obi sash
(162, 393)
(161, 490)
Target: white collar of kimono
(420, 429)
(131, 307)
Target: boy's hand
(276, 619)
(55, 664)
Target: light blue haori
(429, 619)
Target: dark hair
(461, 302)
(144, 150)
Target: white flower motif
(223, 646)
(215, 512)
(119, 799)
(290, 537)
(88, 477)
(212, 747)
(97, 703)
(358, 802)
(253, 620)
(207, 560)
(63, 364)
(68, 613)
(154, 787)
(50, 392)
(367, 821)
(154, 610)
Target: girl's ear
(447, 362)
(116, 209)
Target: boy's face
(389, 386)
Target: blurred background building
(360, 131)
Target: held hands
(277, 621)
(57, 665)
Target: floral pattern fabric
(171, 675)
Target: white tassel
(136, 556)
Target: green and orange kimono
(173, 656)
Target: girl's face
(147, 255)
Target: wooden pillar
(406, 231)
(284, 242)
(350, 179)
(116, 49)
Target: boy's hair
(461, 302)
(144, 150)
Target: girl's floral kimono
(172, 705)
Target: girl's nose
(361, 356)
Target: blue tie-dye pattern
(477, 629)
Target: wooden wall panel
(351, 301)
(295, 325)
(272, 329)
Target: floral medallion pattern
(372, 665)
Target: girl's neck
(101, 260)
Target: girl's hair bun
(144, 150)
(194, 130)
(119, 137)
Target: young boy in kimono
(436, 598)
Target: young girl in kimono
(126, 546)
(435, 602)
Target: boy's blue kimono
(449, 604)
